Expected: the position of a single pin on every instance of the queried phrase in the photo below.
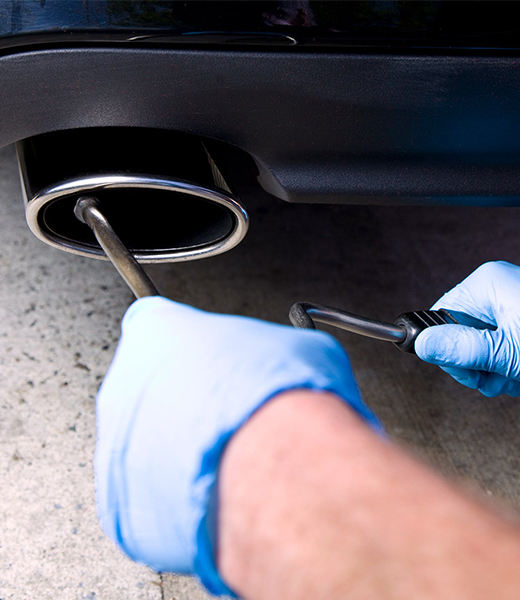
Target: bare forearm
(314, 504)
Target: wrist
(270, 479)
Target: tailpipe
(163, 193)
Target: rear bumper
(322, 127)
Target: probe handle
(415, 322)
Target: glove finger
(476, 295)
(465, 347)
(454, 301)
(489, 384)
(493, 384)
(465, 377)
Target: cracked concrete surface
(60, 318)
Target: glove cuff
(204, 564)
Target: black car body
(409, 102)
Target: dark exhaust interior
(146, 220)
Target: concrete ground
(60, 318)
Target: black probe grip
(415, 322)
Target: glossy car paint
(399, 102)
(442, 24)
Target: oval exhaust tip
(160, 218)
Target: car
(377, 102)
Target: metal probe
(403, 332)
(88, 211)
(303, 314)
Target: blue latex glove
(480, 359)
(181, 383)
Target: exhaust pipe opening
(162, 193)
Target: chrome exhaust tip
(187, 221)
(186, 215)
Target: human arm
(480, 359)
(182, 382)
(329, 510)
(189, 392)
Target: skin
(314, 504)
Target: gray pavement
(60, 318)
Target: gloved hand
(480, 359)
(181, 383)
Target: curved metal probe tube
(87, 210)
(303, 314)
